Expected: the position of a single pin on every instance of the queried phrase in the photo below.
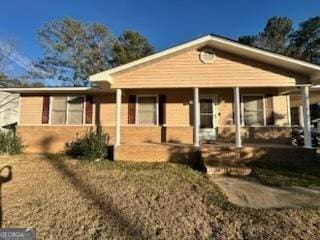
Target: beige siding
(178, 107)
(186, 70)
(30, 110)
(105, 109)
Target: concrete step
(228, 170)
(223, 160)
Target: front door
(207, 118)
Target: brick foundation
(53, 138)
(157, 153)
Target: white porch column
(196, 117)
(306, 117)
(236, 99)
(118, 116)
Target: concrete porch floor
(215, 144)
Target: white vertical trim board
(118, 116)
(306, 117)
(196, 116)
(19, 111)
(288, 110)
(237, 118)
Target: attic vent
(207, 56)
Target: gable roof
(224, 44)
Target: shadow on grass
(120, 223)
(4, 179)
(295, 167)
(100, 201)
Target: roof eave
(55, 90)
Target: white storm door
(207, 118)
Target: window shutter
(89, 108)
(162, 109)
(269, 110)
(132, 109)
(45, 109)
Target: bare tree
(6, 50)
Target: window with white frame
(146, 111)
(67, 110)
(253, 110)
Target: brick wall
(256, 134)
(157, 153)
(49, 138)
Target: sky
(164, 22)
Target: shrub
(10, 143)
(91, 146)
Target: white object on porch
(236, 99)
(196, 116)
(301, 116)
(118, 117)
(306, 116)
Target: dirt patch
(253, 194)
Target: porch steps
(223, 161)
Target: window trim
(137, 110)
(67, 110)
(263, 106)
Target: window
(59, 108)
(253, 110)
(67, 110)
(147, 110)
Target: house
(208, 90)
(9, 105)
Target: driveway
(249, 193)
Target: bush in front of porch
(91, 146)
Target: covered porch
(239, 129)
(196, 116)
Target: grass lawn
(287, 171)
(70, 199)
